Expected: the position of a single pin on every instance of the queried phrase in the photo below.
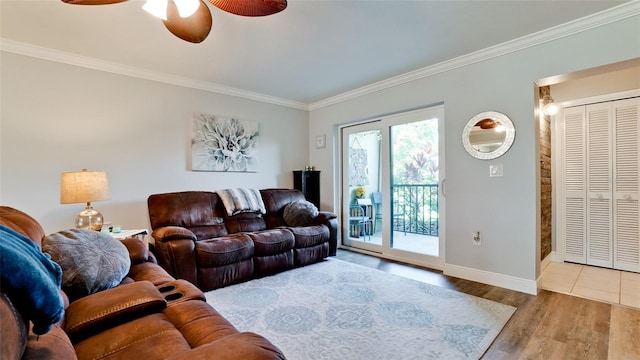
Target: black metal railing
(415, 209)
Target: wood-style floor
(548, 326)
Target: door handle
(442, 190)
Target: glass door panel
(414, 187)
(361, 179)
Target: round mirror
(488, 135)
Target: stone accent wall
(545, 183)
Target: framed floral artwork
(221, 143)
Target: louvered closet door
(599, 186)
(626, 209)
(574, 178)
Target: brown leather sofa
(149, 316)
(196, 239)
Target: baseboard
(491, 278)
(556, 257)
(547, 260)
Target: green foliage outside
(415, 153)
(414, 159)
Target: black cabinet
(309, 183)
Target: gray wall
(504, 209)
(58, 117)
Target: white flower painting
(224, 144)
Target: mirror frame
(506, 144)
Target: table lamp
(84, 187)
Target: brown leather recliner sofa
(196, 239)
(150, 315)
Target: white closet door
(626, 162)
(599, 185)
(574, 178)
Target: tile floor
(612, 286)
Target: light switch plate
(495, 170)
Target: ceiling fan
(190, 20)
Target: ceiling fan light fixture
(187, 8)
(92, 2)
(157, 8)
(194, 28)
(250, 7)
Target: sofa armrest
(103, 310)
(324, 216)
(330, 220)
(138, 251)
(178, 258)
(168, 233)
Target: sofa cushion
(22, 223)
(151, 337)
(224, 250)
(272, 242)
(188, 209)
(91, 261)
(53, 345)
(307, 236)
(275, 201)
(300, 213)
(245, 222)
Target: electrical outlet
(476, 238)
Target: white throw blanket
(241, 200)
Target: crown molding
(608, 16)
(25, 49)
(604, 17)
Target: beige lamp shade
(83, 187)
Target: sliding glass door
(391, 187)
(362, 178)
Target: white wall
(503, 209)
(57, 117)
(601, 84)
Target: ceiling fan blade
(250, 7)
(194, 28)
(92, 2)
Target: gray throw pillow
(300, 213)
(90, 260)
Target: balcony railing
(416, 209)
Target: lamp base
(89, 219)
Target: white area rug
(337, 310)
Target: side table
(125, 234)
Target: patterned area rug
(337, 310)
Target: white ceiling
(311, 51)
